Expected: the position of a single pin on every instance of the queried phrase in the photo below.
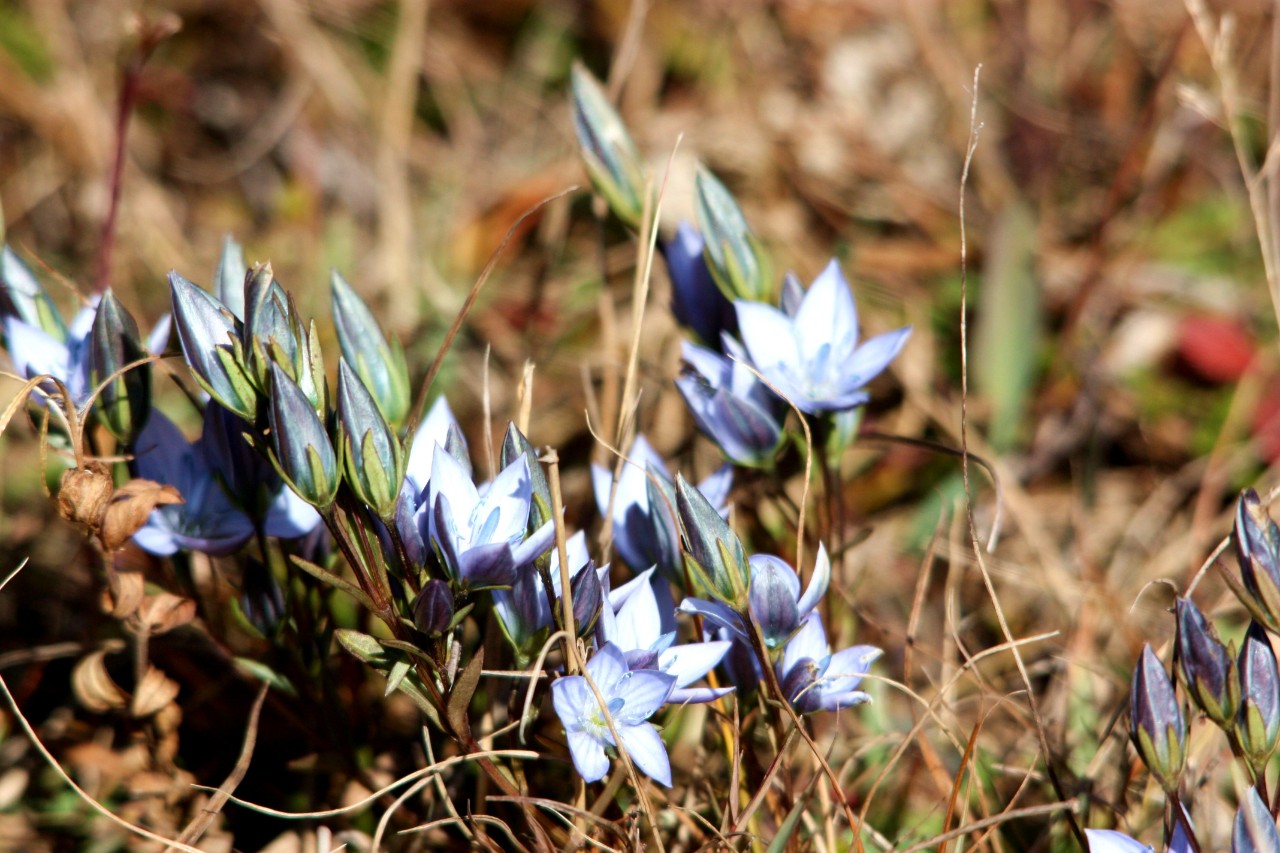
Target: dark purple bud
(698, 304)
(261, 599)
(433, 608)
(304, 456)
(1258, 545)
(1207, 667)
(587, 599)
(372, 458)
(1159, 730)
(1255, 828)
(1258, 721)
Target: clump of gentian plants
(326, 476)
(1235, 686)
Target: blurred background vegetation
(1123, 372)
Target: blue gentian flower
(636, 629)
(773, 597)
(481, 539)
(644, 529)
(697, 303)
(1255, 829)
(524, 610)
(208, 520)
(1113, 841)
(814, 358)
(631, 698)
(729, 405)
(814, 679)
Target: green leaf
(363, 646)
(399, 670)
(262, 672)
(334, 581)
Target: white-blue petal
(588, 756)
(642, 691)
(644, 745)
(690, 661)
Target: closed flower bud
(611, 159)
(303, 453)
(433, 608)
(210, 336)
(587, 599)
(379, 364)
(737, 259)
(514, 445)
(372, 458)
(716, 558)
(1258, 545)
(114, 343)
(268, 332)
(228, 279)
(1159, 730)
(1258, 720)
(1207, 667)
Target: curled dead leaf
(154, 692)
(129, 508)
(124, 593)
(85, 493)
(93, 686)
(164, 612)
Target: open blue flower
(481, 539)
(813, 358)
(814, 679)
(631, 698)
(524, 609)
(207, 520)
(729, 405)
(636, 629)
(644, 529)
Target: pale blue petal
(643, 692)
(606, 668)
(715, 488)
(154, 538)
(697, 695)
(638, 623)
(818, 583)
(34, 352)
(619, 595)
(827, 317)
(289, 516)
(158, 340)
(874, 356)
(769, 339)
(1111, 841)
(588, 756)
(535, 546)
(449, 478)
(571, 696)
(810, 642)
(714, 612)
(691, 661)
(835, 701)
(644, 745)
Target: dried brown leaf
(129, 508)
(163, 612)
(85, 494)
(154, 692)
(124, 593)
(93, 686)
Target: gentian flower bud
(303, 453)
(736, 257)
(372, 457)
(515, 445)
(379, 365)
(229, 277)
(211, 341)
(1258, 545)
(611, 159)
(433, 608)
(716, 558)
(1157, 726)
(587, 599)
(1208, 669)
(1255, 829)
(1258, 720)
(114, 343)
(261, 599)
(729, 405)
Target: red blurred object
(1215, 349)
